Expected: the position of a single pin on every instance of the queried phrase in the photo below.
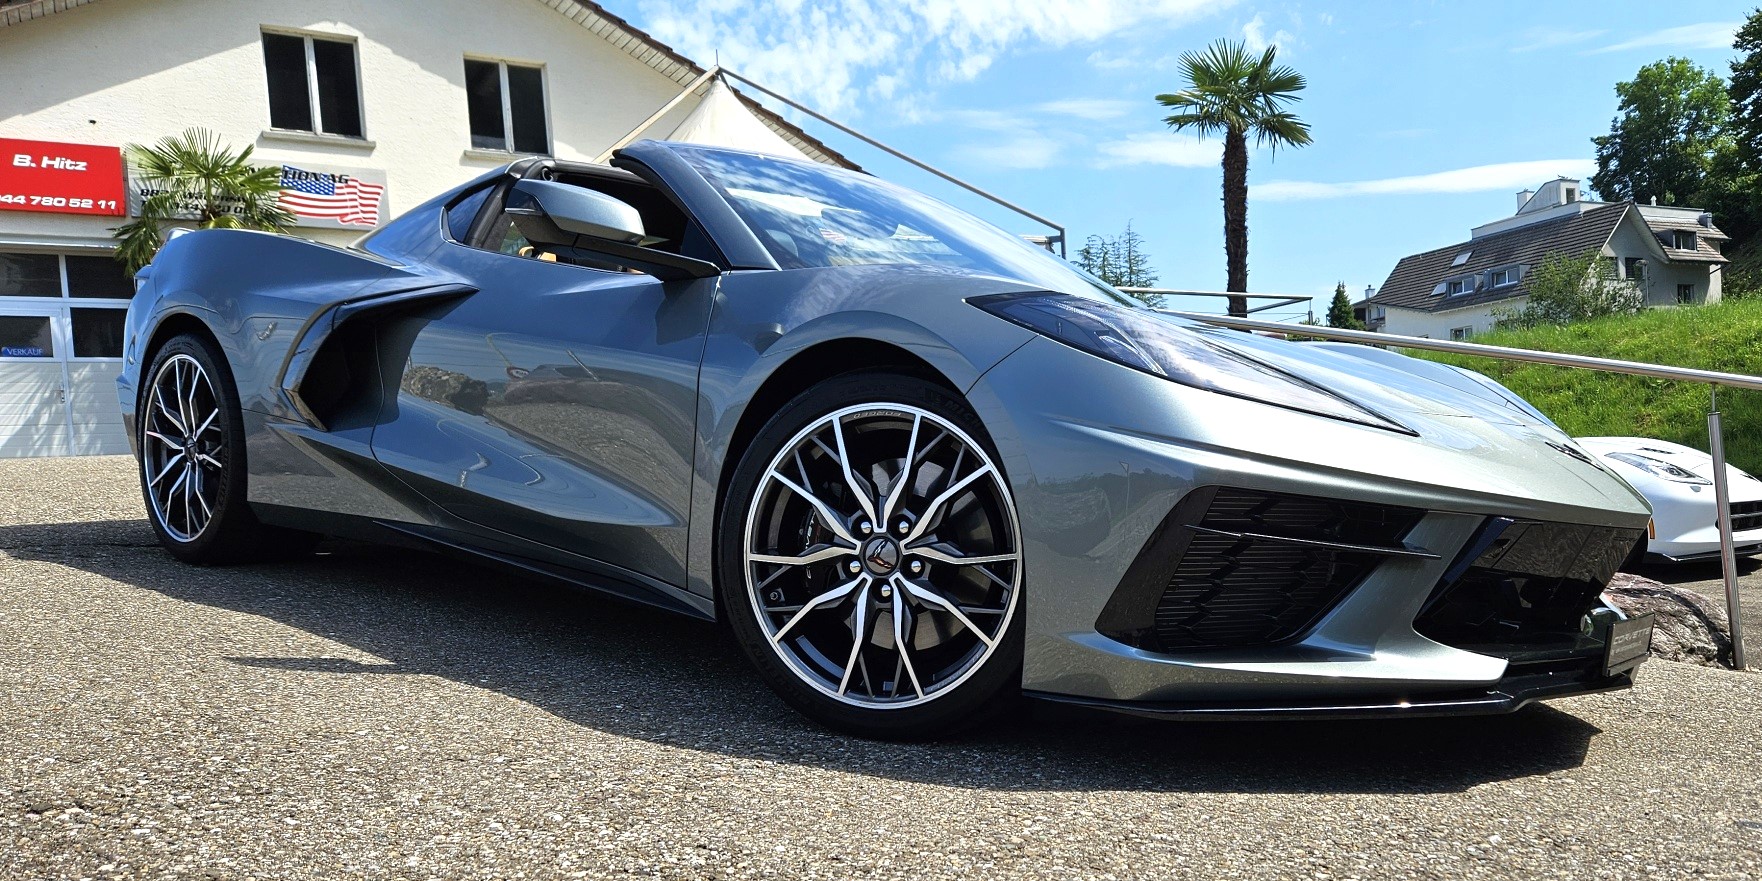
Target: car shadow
(641, 673)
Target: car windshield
(810, 215)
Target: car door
(556, 405)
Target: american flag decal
(343, 198)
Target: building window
(26, 336)
(1461, 333)
(1457, 286)
(314, 85)
(97, 333)
(1685, 293)
(1501, 277)
(1636, 268)
(1682, 240)
(30, 275)
(506, 106)
(53, 275)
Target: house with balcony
(1670, 253)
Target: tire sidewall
(984, 692)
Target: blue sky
(1427, 116)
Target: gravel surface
(382, 714)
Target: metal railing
(1278, 300)
(1715, 434)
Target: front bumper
(1099, 456)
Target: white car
(1678, 481)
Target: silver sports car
(917, 465)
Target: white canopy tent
(722, 120)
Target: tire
(192, 461)
(799, 578)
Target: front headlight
(1142, 341)
(1660, 468)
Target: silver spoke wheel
(882, 555)
(183, 447)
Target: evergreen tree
(1340, 311)
(1120, 261)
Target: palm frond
(197, 177)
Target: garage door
(61, 319)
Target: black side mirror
(570, 218)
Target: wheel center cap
(881, 556)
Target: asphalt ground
(366, 713)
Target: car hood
(1387, 382)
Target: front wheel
(870, 559)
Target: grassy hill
(1726, 336)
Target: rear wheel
(192, 443)
(871, 559)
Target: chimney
(1654, 200)
(1523, 198)
(1369, 291)
(1706, 219)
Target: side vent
(1234, 568)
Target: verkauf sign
(61, 178)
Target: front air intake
(1234, 568)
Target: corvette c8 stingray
(917, 465)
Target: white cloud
(1254, 34)
(1094, 108)
(1023, 150)
(823, 53)
(1549, 38)
(1706, 35)
(1499, 176)
(1156, 148)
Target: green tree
(1736, 198)
(194, 178)
(1120, 261)
(1340, 310)
(1745, 93)
(1564, 288)
(1671, 125)
(1231, 93)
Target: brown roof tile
(1412, 282)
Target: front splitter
(1505, 696)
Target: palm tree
(1232, 92)
(195, 178)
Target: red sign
(62, 178)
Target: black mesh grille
(1521, 588)
(1238, 592)
(1196, 589)
(1746, 515)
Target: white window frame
(61, 306)
(1462, 333)
(544, 93)
(312, 82)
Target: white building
(1671, 254)
(379, 105)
